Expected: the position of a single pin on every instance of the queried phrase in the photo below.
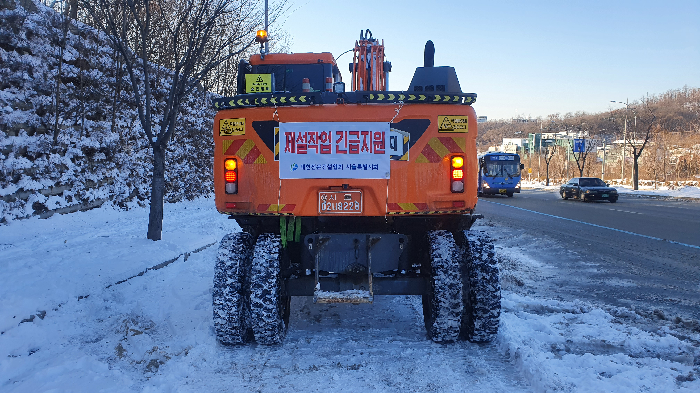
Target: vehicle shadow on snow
(388, 316)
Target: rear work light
(457, 174)
(231, 175)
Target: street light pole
(624, 136)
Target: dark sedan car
(588, 189)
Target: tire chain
(266, 317)
(446, 300)
(229, 297)
(482, 309)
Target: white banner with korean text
(334, 150)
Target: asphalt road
(638, 252)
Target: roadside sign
(529, 170)
(579, 145)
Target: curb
(662, 197)
(635, 195)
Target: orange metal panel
(421, 182)
(293, 58)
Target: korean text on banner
(334, 150)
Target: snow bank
(661, 191)
(573, 346)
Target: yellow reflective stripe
(422, 159)
(227, 143)
(247, 146)
(438, 147)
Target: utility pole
(603, 172)
(566, 161)
(624, 136)
(539, 155)
(624, 148)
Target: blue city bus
(499, 173)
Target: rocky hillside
(70, 138)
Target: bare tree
(548, 155)
(550, 126)
(582, 156)
(168, 47)
(644, 127)
(65, 23)
(581, 129)
(72, 9)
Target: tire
(613, 200)
(581, 197)
(481, 288)
(268, 309)
(509, 194)
(229, 294)
(563, 196)
(442, 306)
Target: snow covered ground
(88, 304)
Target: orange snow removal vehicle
(345, 195)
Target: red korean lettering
(324, 142)
(342, 141)
(301, 143)
(379, 142)
(289, 142)
(366, 145)
(354, 142)
(312, 139)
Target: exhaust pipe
(429, 54)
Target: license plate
(340, 202)
(502, 190)
(604, 195)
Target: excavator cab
(288, 73)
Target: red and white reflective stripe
(305, 85)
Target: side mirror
(522, 166)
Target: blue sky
(526, 59)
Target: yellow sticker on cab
(229, 127)
(453, 123)
(258, 83)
